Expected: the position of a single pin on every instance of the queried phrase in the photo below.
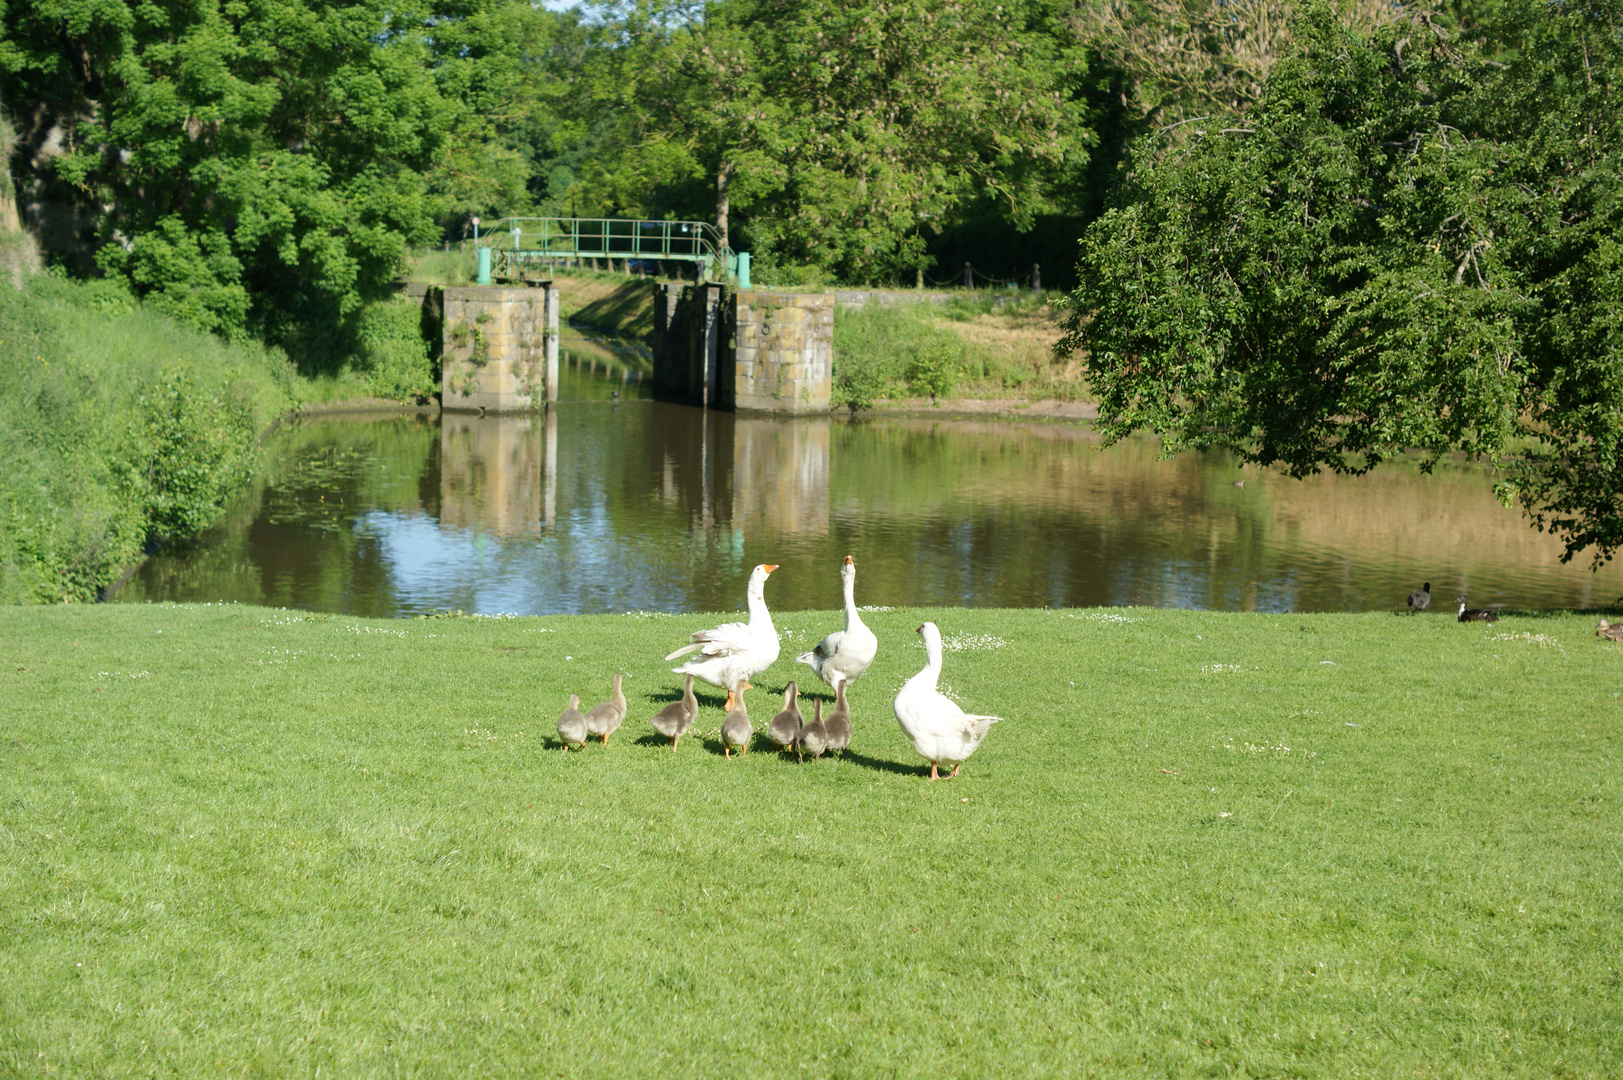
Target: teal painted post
(743, 269)
(484, 266)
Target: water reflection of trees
(298, 537)
(646, 505)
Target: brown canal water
(627, 504)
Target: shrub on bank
(119, 428)
(884, 351)
(392, 353)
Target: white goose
(734, 652)
(845, 654)
(940, 730)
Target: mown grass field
(251, 842)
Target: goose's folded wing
(683, 651)
(830, 645)
(727, 638)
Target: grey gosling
(838, 724)
(1420, 598)
(572, 724)
(674, 719)
(814, 736)
(785, 727)
(1474, 614)
(737, 729)
(605, 719)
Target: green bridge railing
(510, 246)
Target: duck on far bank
(1474, 614)
(1609, 631)
(1420, 598)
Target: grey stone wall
(779, 356)
(494, 349)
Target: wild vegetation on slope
(119, 428)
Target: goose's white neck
(932, 659)
(759, 615)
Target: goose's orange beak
(848, 560)
(769, 567)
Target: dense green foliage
(1404, 244)
(845, 134)
(118, 428)
(880, 350)
(263, 168)
(253, 841)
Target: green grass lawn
(248, 842)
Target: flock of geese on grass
(1421, 597)
(731, 654)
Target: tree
(264, 167)
(1402, 245)
(1193, 60)
(837, 136)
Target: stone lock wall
(687, 343)
(779, 354)
(494, 357)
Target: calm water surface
(624, 504)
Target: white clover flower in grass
(1277, 750)
(1219, 669)
(1544, 640)
(972, 643)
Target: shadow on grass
(712, 746)
(627, 310)
(657, 741)
(882, 765)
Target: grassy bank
(122, 428)
(243, 840)
(974, 347)
(118, 427)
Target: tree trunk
(724, 176)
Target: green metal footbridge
(516, 248)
